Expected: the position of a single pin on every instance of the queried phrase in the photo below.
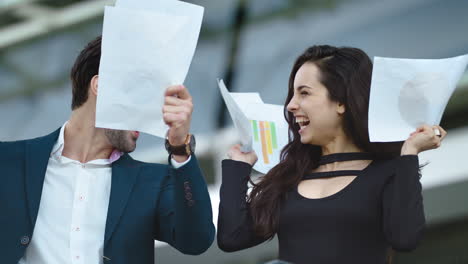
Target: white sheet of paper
(144, 51)
(261, 125)
(241, 123)
(188, 35)
(406, 93)
(243, 99)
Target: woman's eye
(304, 93)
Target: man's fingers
(171, 100)
(178, 91)
(174, 119)
(175, 109)
(178, 114)
(173, 90)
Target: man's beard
(120, 140)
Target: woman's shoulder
(390, 164)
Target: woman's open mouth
(302, 122)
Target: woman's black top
(381, 208)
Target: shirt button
(24, 240)
(188, 196)
(81, 198)
(186, 184)
(77, 257)
(77, 229)
(191, 203)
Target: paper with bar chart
(267, 130)
(269, 133)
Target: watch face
(166, 144)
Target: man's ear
(93, 85)
(340, 108)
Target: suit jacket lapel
(37, 157)
(124, 174)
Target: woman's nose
(292, 105)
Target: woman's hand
(424, 138)
(235, 153)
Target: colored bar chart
(265, 133)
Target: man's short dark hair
(85, 68)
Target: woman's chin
(309, 140)
(305, 139)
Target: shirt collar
(58, 149)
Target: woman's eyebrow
(300, 87)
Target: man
(76, 196)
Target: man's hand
(177, 114)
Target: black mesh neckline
(335, 157)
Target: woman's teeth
(302, 121)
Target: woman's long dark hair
(346, 73)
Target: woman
(335, 197)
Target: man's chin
(127, 149)
(130, 150)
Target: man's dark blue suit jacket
(147, 202)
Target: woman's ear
(94, 85)
(340, 108)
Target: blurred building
(252, 44)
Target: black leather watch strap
(185, 149)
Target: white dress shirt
(72, 215)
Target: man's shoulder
(26, 141)
(18, 147)
(12, 148)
